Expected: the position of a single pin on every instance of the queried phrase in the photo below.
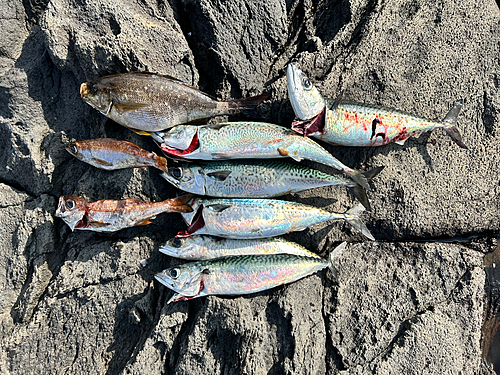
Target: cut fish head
(196, 204)
(179, 137)
(183, 247)
(186, 177)
(305, 98)
(72, 210)
(186, 279)
(97, 94)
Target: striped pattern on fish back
(253, 273)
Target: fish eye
(70, 204)
(73, 148)
(177, 242)
(174, 273)
(176, 172)
(94, 87)
(306, 83)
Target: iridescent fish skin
(244, 274)
(209, 247)
(152, 102)
(256, 179)
(113, 215)
(349, 123)
(258, 218)
(246, 140)
(111, 154)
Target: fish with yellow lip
(148, 102)
(111, 154)
(349, 123)
(243, 274)
(258, 218)
(113, 215)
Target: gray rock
(80, 302)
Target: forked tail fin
(450, 122)
(358, 190)
(352, 217)
(245, 105)
(179, 204)
(334, 257)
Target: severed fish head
(186, 279)
(184, 247)
(179, 137)
(97, 94)
(305, 98)
(72, 211)
(186, 177)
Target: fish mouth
(84, 91)
(291, 76)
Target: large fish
(256, 179)
(113, 215)
(258, 218)
(246, 140)
(348, 123)
(208, 247)
(111, 154)
(244, 274)
(152, 102)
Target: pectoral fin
(144, 222)
(222, 155)
(219, 175)
(218, 207)
(291, 154)
(401, 141)
(128, 107)
(103, 162)
(98, 224)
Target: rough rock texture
(85, 303)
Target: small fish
(208, 247)
(150, 102)
(113, 215)
(256, 179)
(246, 140)
(348, 123)
(257, 218)
(243, 274)
(111, 154)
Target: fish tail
(450, 123)
(246, 104)
(335, 255)
(161, 163)
(358, 177)
(179, 204)
(360, 193)
(352, 217)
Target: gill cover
(305, 98)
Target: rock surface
(86, 303)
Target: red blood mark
(356, 118)
(315, 125)
(198, 223)
(195, 143)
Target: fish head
(97, 94)
(183, 247)
(187, 177)
(305, 98)
(72, 210)
(75, 149)
(179, 137)
(186, 279)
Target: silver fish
(246, 140)
(256, 179)
(348, 123)
(257, 218)
(244, 274)
(209, 247)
